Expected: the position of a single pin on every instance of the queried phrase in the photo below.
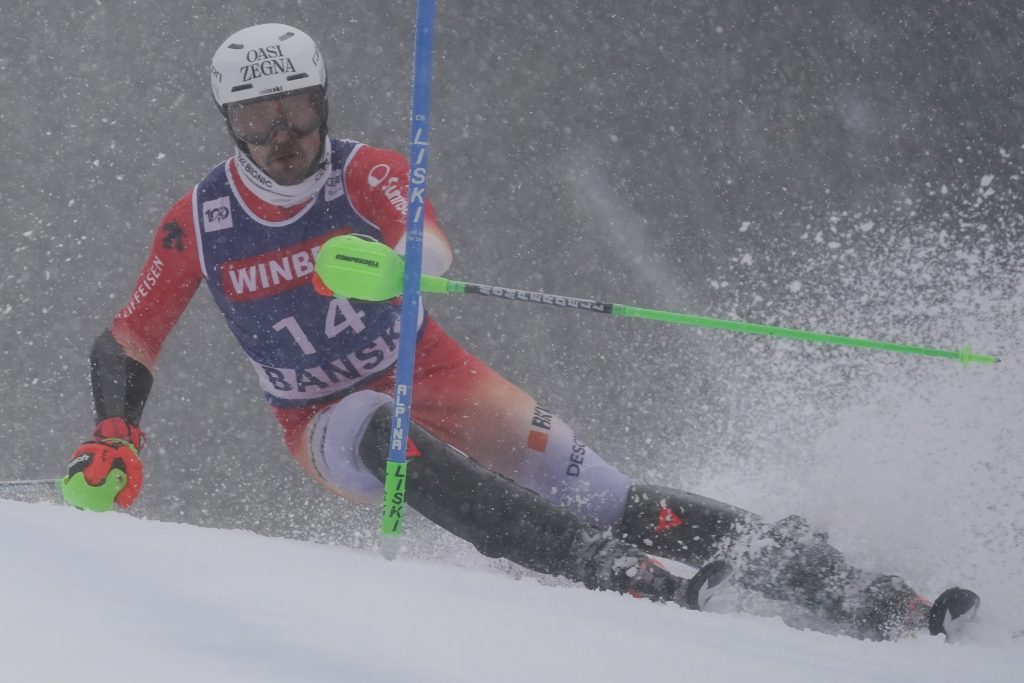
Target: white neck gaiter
(267, 189)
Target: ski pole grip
(81, 494)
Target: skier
(494, 467)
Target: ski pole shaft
(358, 269)
(28, 483)
(964, 354)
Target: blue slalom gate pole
(419, 148)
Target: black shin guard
(679, 525)
(505, 520)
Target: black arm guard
(120, 384)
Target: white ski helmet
(263, 61)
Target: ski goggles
(300, 113)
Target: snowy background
(851, 168)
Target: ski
(708, 580)
(951, 611)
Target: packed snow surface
(110, 597)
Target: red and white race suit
(310, 351)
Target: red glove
(116, 444)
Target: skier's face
(283, 134)
(287, 157)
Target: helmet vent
(295, 77)
(286, 36)
(236, 46)
(238, 88)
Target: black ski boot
(607, 564)
(801, 567)
(890, 609)
(791, 562)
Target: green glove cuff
(78, 492)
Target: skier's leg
(467, 405)
(789, 560)
(350, 445)
(785, 561)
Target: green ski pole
(31, 483)
(356, 268)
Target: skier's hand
(106, 469)
(321, 288)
